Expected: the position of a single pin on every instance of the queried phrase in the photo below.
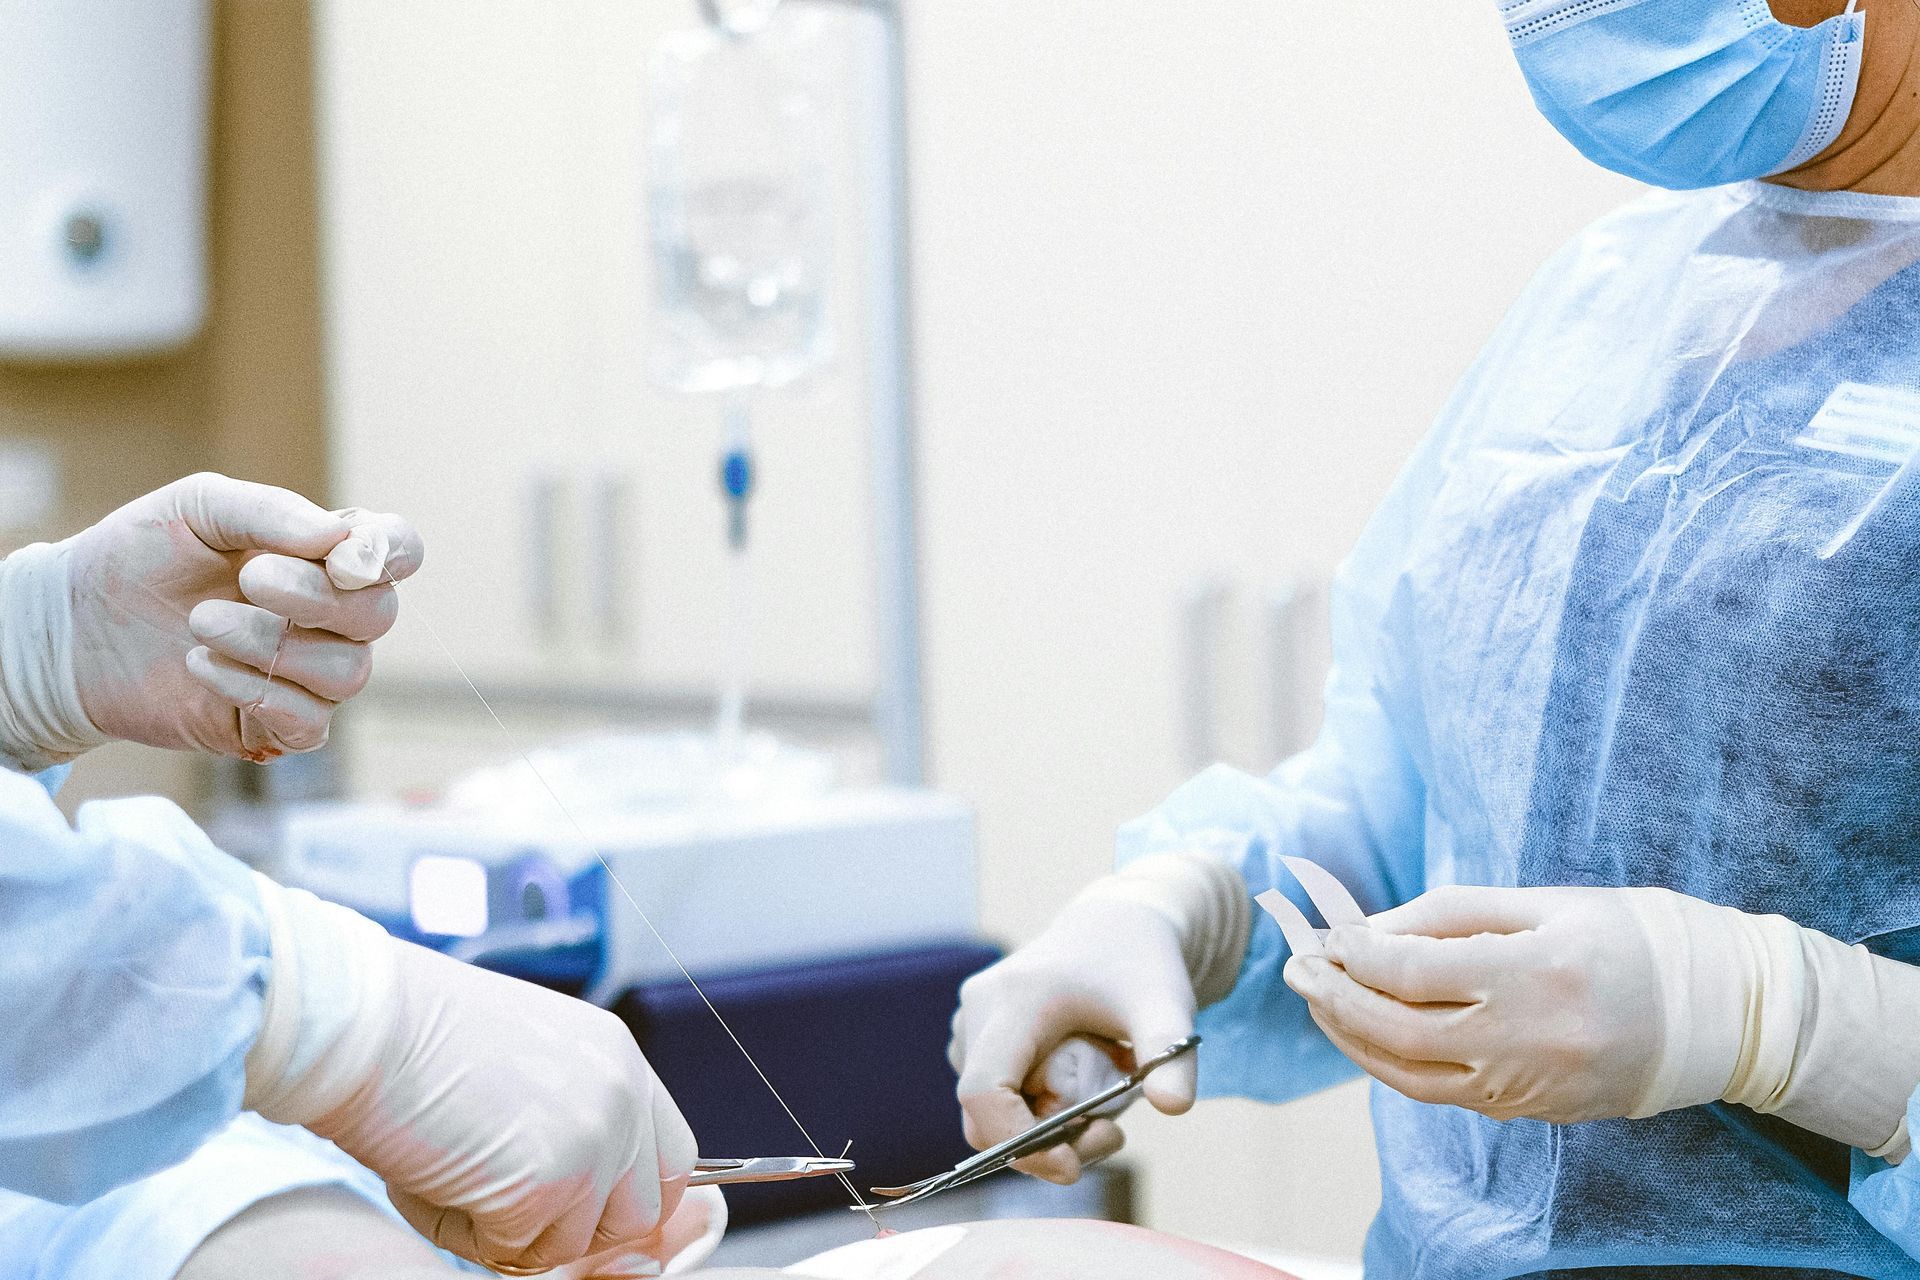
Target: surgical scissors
(1050, 1132)
(718, 1172)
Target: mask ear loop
(1839, 86)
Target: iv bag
(739, 208)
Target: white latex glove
(161, 623)
(1581, 1004)
(678, 1246)
(513, 1126)
(1127, 963)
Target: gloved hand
(677, 1246)
(1570, 1004)
(211, 615)
(1126, 963)
(513, 1126)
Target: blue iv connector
(736, 481)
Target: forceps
(1062, 1126)
(718, 1172)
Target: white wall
(1190, 280)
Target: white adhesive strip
(1329, 897)
(1301, 936)
(1336, 905)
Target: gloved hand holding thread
(212, 615)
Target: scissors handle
(1048, 1133)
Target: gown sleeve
(133, 966)
(1888, 1196)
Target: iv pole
(898, 710)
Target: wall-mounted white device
(103, 176)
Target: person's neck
(1879, 150)
(1899, 176)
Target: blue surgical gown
(1643, 609)
(147, 1230)
(133, 966)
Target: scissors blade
(911, 1188)
(973, 1170)
(719, 1172)
(932, 1187)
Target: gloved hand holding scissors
(161, 623)
(1126, 963)
(1569, 1004)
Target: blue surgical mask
(1687, 93)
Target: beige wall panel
(243, 398)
